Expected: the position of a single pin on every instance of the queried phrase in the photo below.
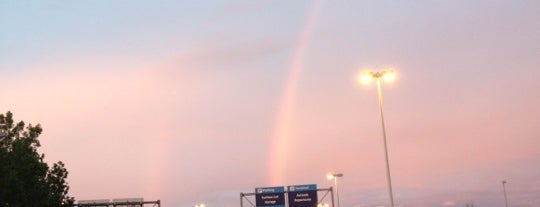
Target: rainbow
(282, 125)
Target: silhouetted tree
(25, 179)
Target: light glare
(322, 205)
(365, 78)
(389, 76)
(330, 176)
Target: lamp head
(367, 76)
(388, 75)
(331, 176)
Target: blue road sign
(270, 197)
(302, 195)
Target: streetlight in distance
(365, 78)
(322, 205)
(335, 176)
(504, 189)
(200, 205)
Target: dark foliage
(25, 179)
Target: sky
(198, 101)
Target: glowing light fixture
(367, 77)
(331, 176)
(322, 205)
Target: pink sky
(197, 102)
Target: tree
(25, 179)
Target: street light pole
(335, 176)
(504, 189)
(388, 75)
(388, 179)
